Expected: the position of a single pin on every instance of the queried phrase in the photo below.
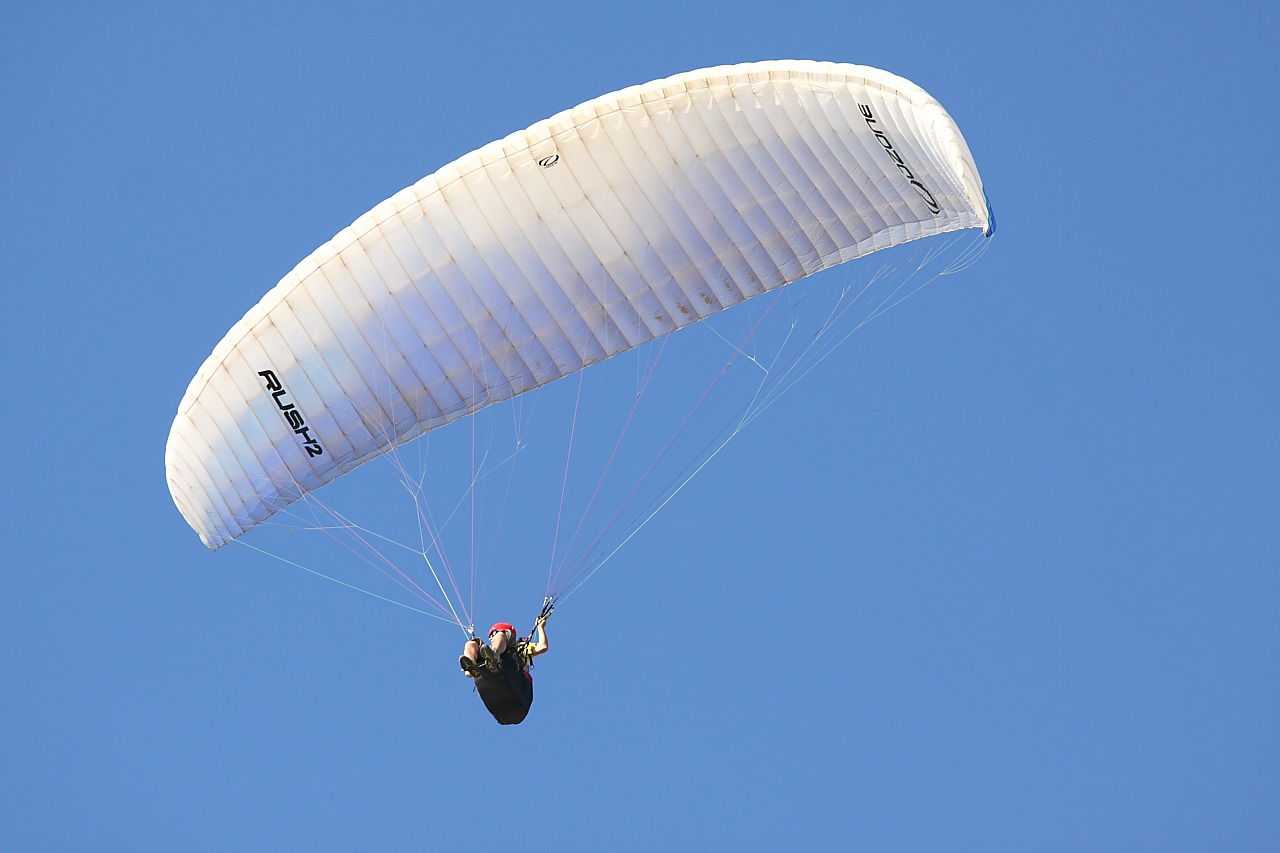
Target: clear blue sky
(1001, 575)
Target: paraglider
(590, 233)
(501, 667)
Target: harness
(508, 693)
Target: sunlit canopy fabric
(589, 233)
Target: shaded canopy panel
(589, 233)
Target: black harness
(508, 693)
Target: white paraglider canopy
(590, 233)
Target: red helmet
(502, 626)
